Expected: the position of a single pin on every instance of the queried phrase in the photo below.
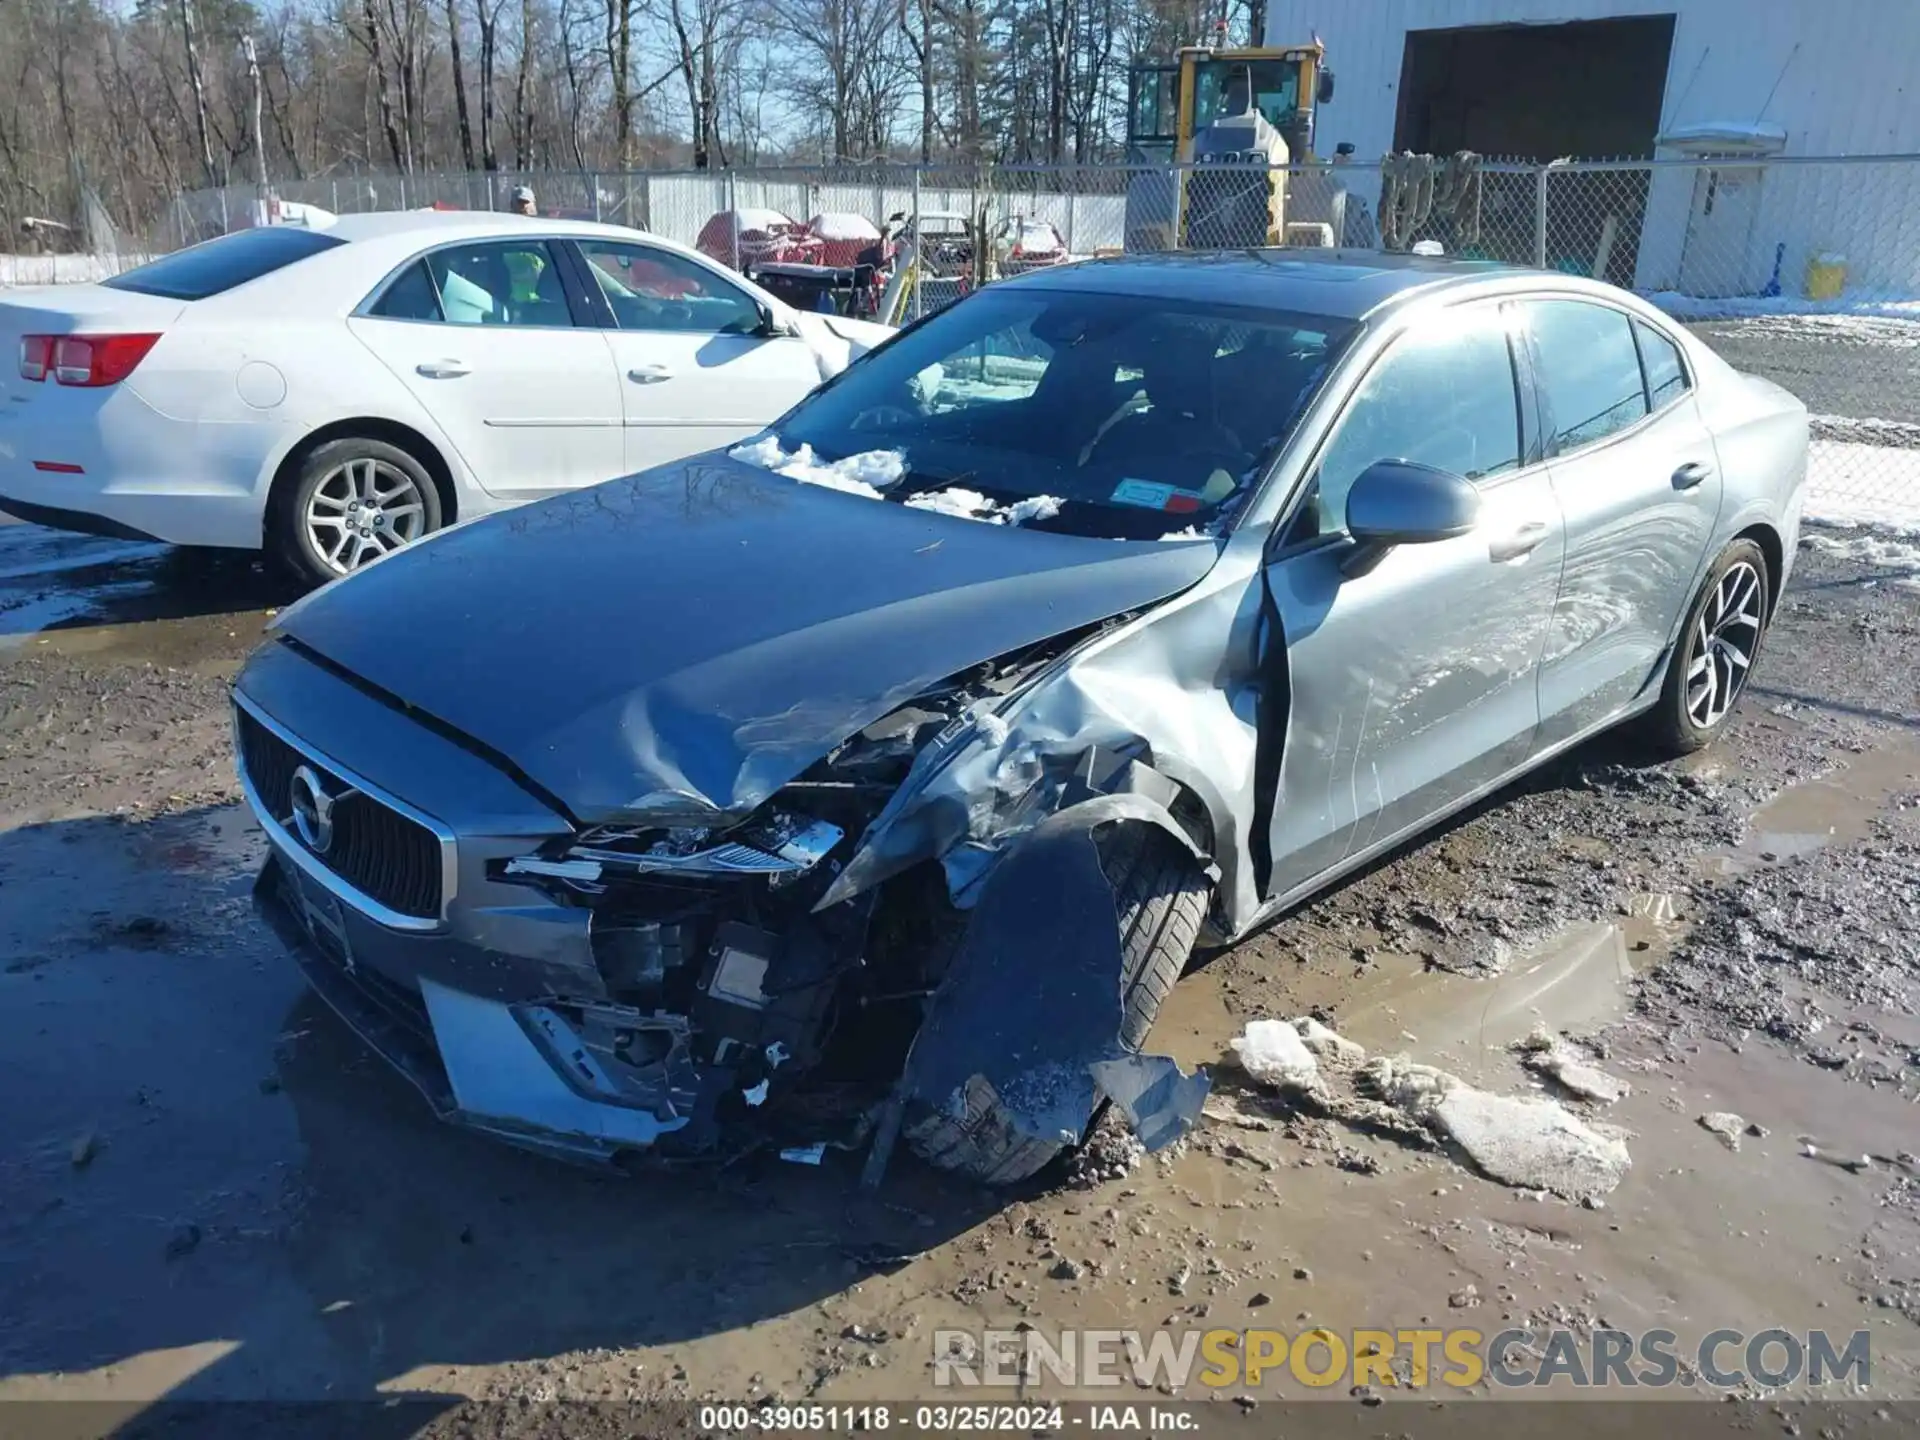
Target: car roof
(455, 224)
(1345, 284)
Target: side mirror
(1324, 91)
(773, 325)
(1401, 502)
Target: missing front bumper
(474, 1059)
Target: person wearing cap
(521, 202)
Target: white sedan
(330, 395)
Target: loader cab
(1168, 105)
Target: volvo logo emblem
(312, 810)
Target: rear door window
(411, 296)
(1589, 371)
(502, 282)
(220, 265)
(1666, 371)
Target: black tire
(1671, 728)
(1161, 900)
(288, 538)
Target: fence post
(1540, 216)
(733, 214)
(593, 186)
(919, 249)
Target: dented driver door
(1411, 684)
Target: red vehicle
(1024, 243)
(849, 239)
(746, 237)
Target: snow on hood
(972, 505)
(871, 471)
(861, 474)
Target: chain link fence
(1803, 270)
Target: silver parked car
(876, 779)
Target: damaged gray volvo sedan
(877, 779)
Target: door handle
(1522, 540)
(649, 374)
(1691, 474)
(443, 369)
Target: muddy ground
(208, 1189)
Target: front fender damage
(1033, 1003)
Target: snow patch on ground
(857, 474)
(1696, 307)
(1274, 1053)
(1547, 1054)
(1531, 1143)
(1896, 554)
(1849, 483)
(1524, 1141)
(1880, 331)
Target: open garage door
(1588, 89)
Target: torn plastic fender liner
(1032, 1004)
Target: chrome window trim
(286, 844)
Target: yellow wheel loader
(1210, 137)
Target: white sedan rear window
(219, 265)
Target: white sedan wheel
(362, 509)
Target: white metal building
(1600, 79)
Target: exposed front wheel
(352, 502)
(1161, 898)
(1715, 654)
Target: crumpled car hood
(680, 643)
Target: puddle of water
(1574, 980)
(1837, 808)
(24, 623)
(30, 562)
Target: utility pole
(259, 139)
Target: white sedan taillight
(36, 356)
(85, 360)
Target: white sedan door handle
(649, 374)
(444, 369)
(1522, 540)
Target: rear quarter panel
(1760, 435)
(259, 368)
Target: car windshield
(1129, 417)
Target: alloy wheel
(1722, 647)
(363, 509)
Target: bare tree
(459, 82)
(199, 90)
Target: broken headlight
(778, 845)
